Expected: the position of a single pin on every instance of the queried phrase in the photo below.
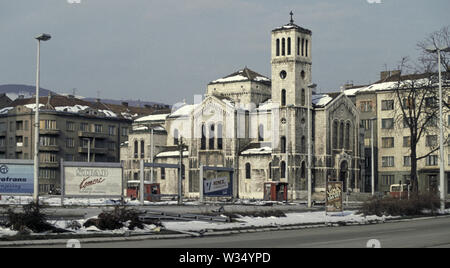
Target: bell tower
(291, 64)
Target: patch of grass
(415, 206)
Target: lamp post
(441, 126)
(372, 151)
(39, 38)
(311, 87)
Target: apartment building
(69, 128)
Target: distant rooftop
(243, 75)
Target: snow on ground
(290, 219)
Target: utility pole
(181, 148)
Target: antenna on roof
(98, 94)
(74, 90)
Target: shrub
(116, 219)
(31, 219)
(415, 206)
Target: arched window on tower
(261, 132)
(283, 144)
(278, 47)
(283, 169)
(283, 47)
(298, 46)
(283, 97)
(303, 47)
(303, 97)
(289, 46)
(306, 48)
(136, 149)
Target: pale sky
(169, 50)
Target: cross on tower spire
(292, 18)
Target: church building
(274, 129)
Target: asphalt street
(411, 234)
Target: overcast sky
(169, 50)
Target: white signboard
(215, 185)
(92, 181)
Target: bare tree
(417, 95)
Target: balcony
(49, 148)
(54, 132)
(48, 164)
(83, 150)
(97, 135)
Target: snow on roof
(138, 127)
(262, 150)
(172, 154)
(242, 75)
(71, 109)
(108, 113)
(6, 110)
(268, 105)
(386, 86)
(154, 117)
(321, 100)
(184, 110)
(33, 106)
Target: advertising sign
(93, 181)
(334, 196)
(219, 185)
(17, 179)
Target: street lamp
(441, 126)
(39, 38)
(311, 87)
(372, 151)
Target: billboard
(85, 181)
(334, 197)
(17, 179)
(218, 184)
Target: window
(261, 132)
(408, 103)
(387, 179)
(142, 149)
(111, 146)
(47, 157)
(136, 148)
(211, 136)
(348, 132)
(19, 125)
(407, 142)
(306, 48)
(283, 145)
(433, 121)
(407, 161)
(298, 46)
(175, 137)
(303, 47)
(203, 139)
(387, 123)
(303, 144)
(432, 160)
(283, 169)
(70, 126)
(111, 130)
(335, 134)
(124, 131)
(407, 122)
(283, 47)
(283, 97)
(270, 170)
(431, 141)
(387, 161)
(98, 128)
(84, 127)
(387, 105)
(248, 171)
(278, 47)
(431, 102)
(70, 143)
(289, 46)
(387, 142)
(341, 135)
(365, 106)
(47, 141)
(163, 173)
(47, 124)
(219, 136)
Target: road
(411, 234)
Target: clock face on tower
(283, 74)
